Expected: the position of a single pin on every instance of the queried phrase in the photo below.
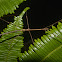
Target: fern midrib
(51, 53)
(9, 50)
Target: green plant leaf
(8, 6)
(46, 49)
(11, 43)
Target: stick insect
(28, 29)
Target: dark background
(42, 13)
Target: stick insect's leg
(29, 28)
(4, 20)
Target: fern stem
(51, 53)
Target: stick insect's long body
(24, 30)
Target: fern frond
(11, 44)
(46, 49)
(8, 6)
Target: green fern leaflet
(46, 49)
(8, 6)
(11, 44)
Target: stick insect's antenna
(29, 28)
(54, 23)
